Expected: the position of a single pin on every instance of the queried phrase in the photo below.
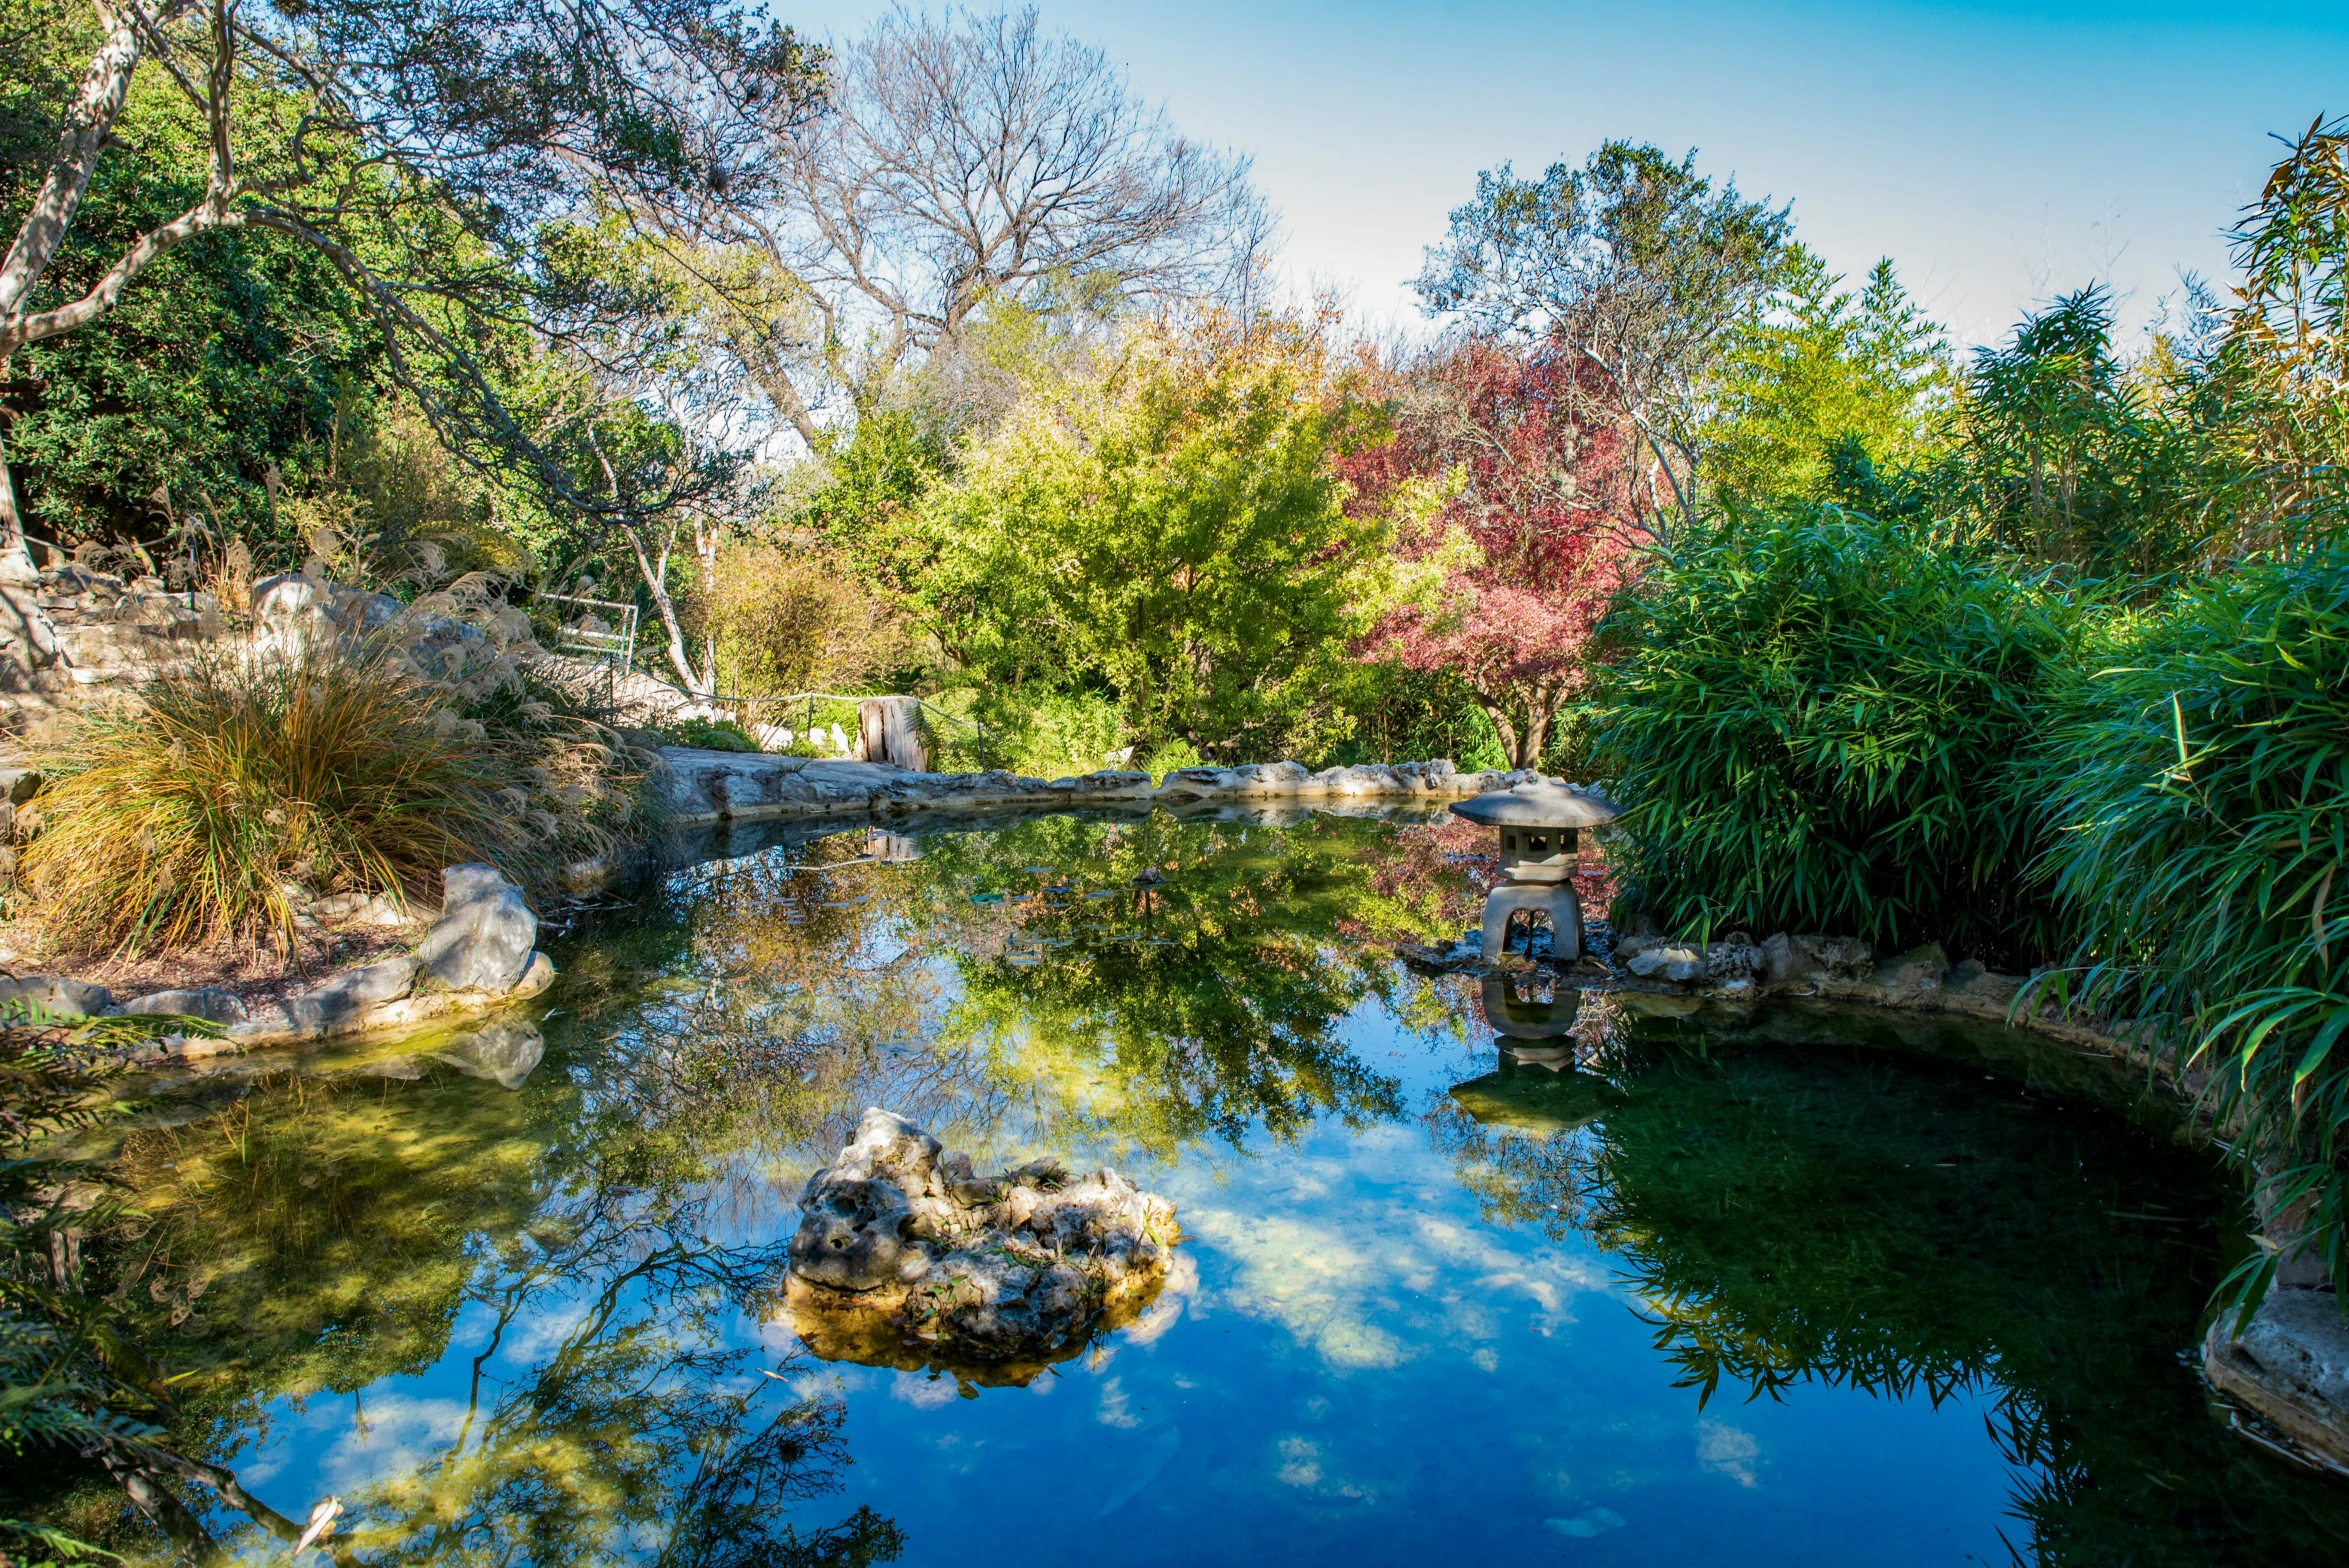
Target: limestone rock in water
(1735, 957)
(56, 997)
(206, 1002)
(1795, 959)
(2291, 1367)
(1668, 961)
(905, 1257)
(1921, 969)
(483, 939)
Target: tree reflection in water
(1793, 1212)
(1790, 1208)
(319, 1235)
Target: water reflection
(511, 1293)
(1790, 1215)
(555, 1258)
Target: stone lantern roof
(1542, 803)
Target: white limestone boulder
(485, 934)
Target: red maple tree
(1547, 499)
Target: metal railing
(588, 637)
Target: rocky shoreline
(695, 788)
(478, 955)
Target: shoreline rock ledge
(905, 1257)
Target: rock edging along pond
(480, 954)
(698, 788)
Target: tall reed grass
(241, 786)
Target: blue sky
(1997, 152)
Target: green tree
(1170, 530)
(1638, 268)
(1825, 367)
(505, 121)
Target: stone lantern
(1541, 825)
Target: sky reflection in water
(1759, 1291)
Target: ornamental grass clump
(1808, 719)
(245, 783)
(2197, 781)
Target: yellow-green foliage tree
(785, 616)
(1825, 369)
(1167, 529)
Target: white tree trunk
(889, 730)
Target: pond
(1772, 1286)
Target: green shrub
(708, 735)
(1043, 734)
(1407, 715)
(2197, 784)
(1807, 718)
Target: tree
(1636, 267)
(423, 150)
(240, 385)
(2283, 365)
(1532, 538)
(957, 160)
(1823, 367)
(2065, 453)
(1170, 529)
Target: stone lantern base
(1555, 899)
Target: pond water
(1775, 1287)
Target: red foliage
(1547, 503)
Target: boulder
(2290, 1368)
(1733, 958)
(336, 1003)
(903, 1244)
(357, 909)
(503, 1053)
(206, 1002)
(484, 936)
(59, 998)
(1272, 778)
(1676, 961)
(289, 614)
(1424, 777)
(293, 612)
(1919, 969)
(1116, 784)
(1364, 779)
(1977, 981)
(1181, 783)
(1796, 960)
